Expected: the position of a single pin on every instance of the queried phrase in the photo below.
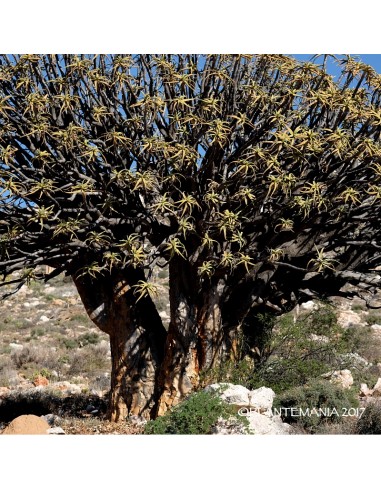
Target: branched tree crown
(235, 163)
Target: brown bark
(180, 371)
(195, 340)
(214, 343)
(137, 339)
(153, 370)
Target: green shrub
(37, 332)
(294, 351)
(370, 421)
(288, 352)
(357, 308)
(69, 343)
(281, 373)
(322, 321)
(43, 372)
(373, 319)
(317, 394)
(79, 318)
(81, 341)
(235, 372)
(64, 359)
(88, 339)
(363, 341)
(357, 338)
(195, 415)
(364, 375)
(297, 350)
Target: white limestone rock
(261, 399)
(233, 394)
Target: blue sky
(374, 60)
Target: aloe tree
(256, 179)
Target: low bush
(235, 372)
(90, 360)
(357, 308)
(37, 332)
(81, 341)
(288, 352)
(79, 318)
(362, 341)
(373, 319)
(69, 343)
(44, 373)
(370, 421)
(315, 405)
(88, 339)
(8, 375)
(34, 355)
(197, 414)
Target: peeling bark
(153, 370)
(180, 371)
(214, 343)
(137, 339)
(196, 340)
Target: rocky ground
(51, 351)
(55, 362)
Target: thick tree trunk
(180, 370)
(216, 344)
(137, 339)
(153, 370)
(205, 330)
(195, 340)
